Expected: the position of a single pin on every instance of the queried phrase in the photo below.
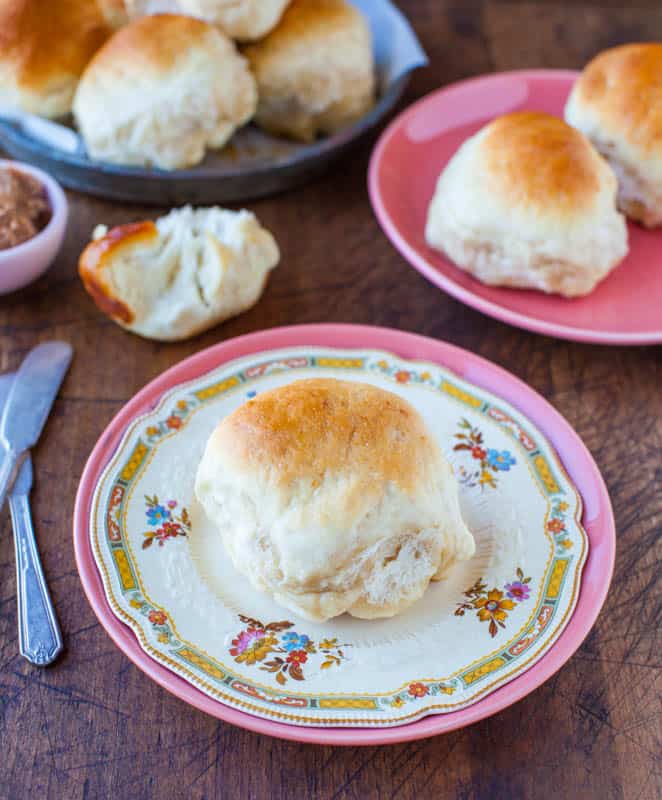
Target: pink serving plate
(598, 521)
(626, 308)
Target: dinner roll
(527, 202)
(616, 102)
(244, 20)
(315, 71)
(332, 496)
(181, 275)
(44, 47)
(161, 91)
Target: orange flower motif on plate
(556, 525)
(494, 605)
(494, 608)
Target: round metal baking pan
(253, 165)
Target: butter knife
(28, 405)
(39, 637)
(40, 640)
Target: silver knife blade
(28, 404)
(33, 390)
(23, 482)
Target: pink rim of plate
(485, 93)
(598, 521)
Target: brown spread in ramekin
(24, 207)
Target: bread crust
(187, 271)
(310, 428)
(527, 202)
(242, 20)
(161, 91)
(622, 86)
(154, 43)
(538, 161)
(315, 71)
(617, 104)
(333, 497)
(44, 48)
(97, 257)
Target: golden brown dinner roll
(179, 276)
(315, 71)
(244, 20)
(616, 102)
(162, 90)
(528, 202)
(333, 496)
(44, 47)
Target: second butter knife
(39, 637)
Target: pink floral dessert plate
(405, 165)
(156, 574)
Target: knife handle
(39, 636)
(8, 472)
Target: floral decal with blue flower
(156, 515)
(487, 462)
(290, 649)
(294, 641)
(501, 461)
(166, 521)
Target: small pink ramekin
(24, 263)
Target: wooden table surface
(94, 726)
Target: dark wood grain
(94, 726)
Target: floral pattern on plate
(490, 461)
(291, 649)
(347, 672)
(494, 605)
(417, 691)
(166, 522)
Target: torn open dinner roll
(333, 497)
(176, 277)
